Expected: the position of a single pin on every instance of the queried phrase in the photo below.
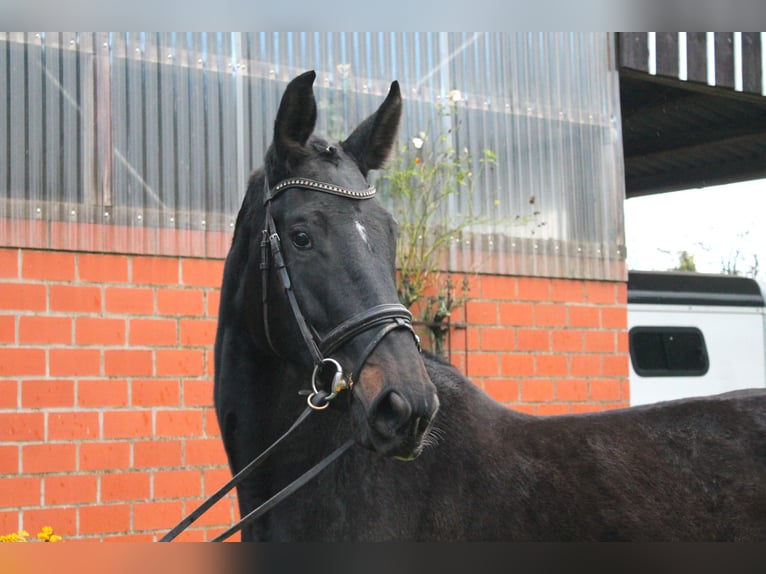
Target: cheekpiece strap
(331, 188)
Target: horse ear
(296, 117)
(371, 142)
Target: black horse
(311, 275)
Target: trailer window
(668, 352)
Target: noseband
(385, 317)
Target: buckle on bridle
(320, 399)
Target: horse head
(328, 304)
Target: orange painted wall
(107, 429)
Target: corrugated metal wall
(143, 142)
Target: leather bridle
(385, 317)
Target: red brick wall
(546, 346)
(107, 429)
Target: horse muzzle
(398, 423)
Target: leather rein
(385, 317)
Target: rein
(385, 317)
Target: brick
(182, 362)
(10, 521)
(605, 390)
(500, 287)
(215, 478)
(47, 265)
(157, 453)
(198, 332)
(482, 312)
(9, 263)
(7, 329)
(210, 363)
(204, 452)
(497, 339)
(99, 331)
(532, 340)
(74, 362)
(129, 300)
(102, 393)
(155, 392)
(571, 390)
(533, 289)
(483, 364)
(616, 366)
(502, 390)
(220, 514)
(180, 422)
(521, 314)
(127, 424)
(211, 423)
(75, 298)
(104, 455)
(9, 459)
(48, 457)
(177, 484)
(9, 394)
(553, 409)
(155, 271)
(127, 362)
(213, 302)
(622, 293)
(614, 317)
(21, 361)
(551, 365)
(147, 537)
(600, 293)
(20, 491)
(202, 272)
(156, 515)
(583, 316)
(104, 518)
(45, 330)
(567, 291)
(153, 332)
(23, 297)
(551, 315)
(530, 409)
(567, 340)
(73, 425)
(198, 392)
(70, 489)
(585, 366)
(22, 426)
(182, 302)
(125, 486)
(623, 345)
(93, 268)
(536, 390)
(63, 520)
(599, 342)
(517, 364)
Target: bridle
(385, 317)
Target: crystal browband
(323, 187)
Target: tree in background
(685, 262)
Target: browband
(304, 183)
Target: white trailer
(694, 334)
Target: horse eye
(301, 239)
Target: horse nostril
(391, 412)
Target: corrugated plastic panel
(142, 142)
